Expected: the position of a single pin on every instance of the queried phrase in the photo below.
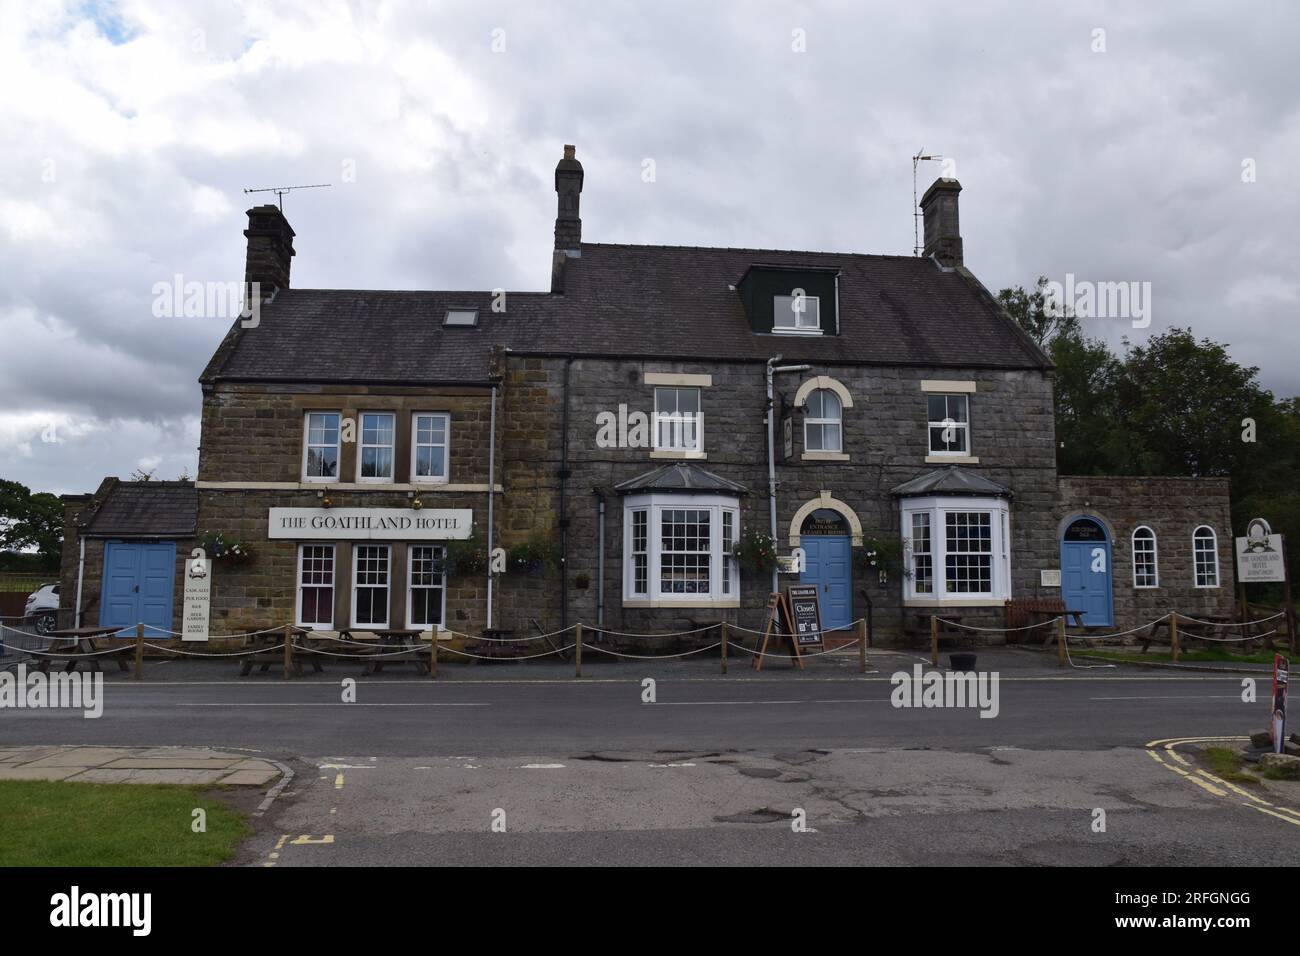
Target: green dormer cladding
(785, 300)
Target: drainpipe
(773, 370)
(600, 558)
(81, 572)
(564, 510)
(492, 494)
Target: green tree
(1037, 313)
(31, 521)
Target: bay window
(677, 550)
(957, 548)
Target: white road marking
(1177, 697)
(542, 766)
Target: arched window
(1146, 573)
(823, 421)
(1205, 557)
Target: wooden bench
(76, 644)
(265, 652)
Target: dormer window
(461, 317)
(797, 313)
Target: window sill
(952, 460)
(776, 331)
(679, 455)
(702, 602)
(823, 456)
(955, 602)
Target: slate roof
(670, 302)
(146, 509)
(683, 479)
(951, 481)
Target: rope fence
(290, 643)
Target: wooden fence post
(1173, 635)
(724, 646)
(139, 651)
(433, 655)
(1060, 641)
(577, 648)
(288, 650)
(862, 645)
(934, 640)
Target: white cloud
(131, 129)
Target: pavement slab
(180, 765)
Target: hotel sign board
(1259, 554)
(198, 597)
(370, 524)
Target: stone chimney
(270, 249)
(568, 224)
(942, 229)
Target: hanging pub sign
(806, 613)
(197, 597)
(370, 524)
(1259, 554)
(1277, 727)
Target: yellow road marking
(1254, 802)
(307, 838)
(338, 782)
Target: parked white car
(42, 608)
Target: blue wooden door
(1085, 573)
(829, 566)
(137, 587)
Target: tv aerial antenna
(921, 157)
(281, 190)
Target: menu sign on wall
(371, 524)
(198, 597)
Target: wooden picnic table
(261, 645)
(78, 643)
(387, 638)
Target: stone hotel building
(619, 434)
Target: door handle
(136, 589)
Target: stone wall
(1171, 507)
(884, 437)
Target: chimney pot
(942, 223)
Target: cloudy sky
(1114, 142)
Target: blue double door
(828, 565)
(1086, 572)
(138, 580)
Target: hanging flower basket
(881, 557)
(226, 550)
(755, 551)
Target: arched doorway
(827, 542)
(1085, 572)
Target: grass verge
(53, 823)
(1226, 764)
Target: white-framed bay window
(958, 550)
(426, 587)
(677, 550)
(430, 441)
(314, 607)
(372, 567)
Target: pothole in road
(761, 815)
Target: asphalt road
(485, 768)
